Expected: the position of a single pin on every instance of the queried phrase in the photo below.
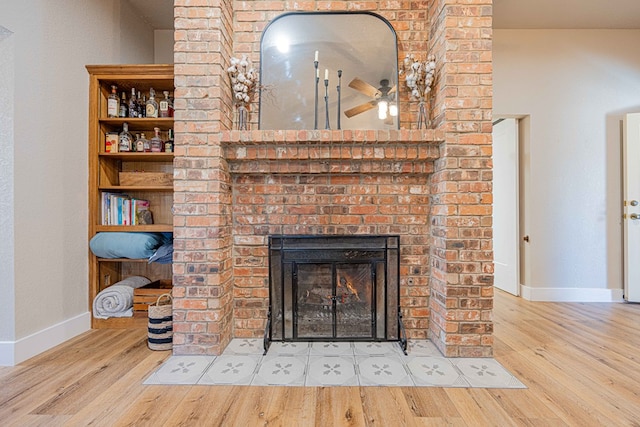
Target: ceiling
(157, 13)
(515, 14)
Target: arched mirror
(354, 52)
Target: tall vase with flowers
(418, 77)
(243, 84)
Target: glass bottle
(164, 105)
(141, 105)
(139, 142)
(152, 104)
(156, 142)
(168, 144)
(124, 105)
(113, 103)
(146, 144)
(133, 104)
(125, 139)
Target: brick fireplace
(432, 187)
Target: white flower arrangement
(419, 76)
(243, 80)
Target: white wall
(53, 41)
(575, 85)
(163, 45)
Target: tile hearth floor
(333, 364)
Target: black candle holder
(326, 104)
(339, 87)
(316, 76)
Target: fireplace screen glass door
(334, 301)
(333, 288)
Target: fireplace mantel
(331, 151)
(327, 136)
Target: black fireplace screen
(333, 288)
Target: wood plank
(339, 406)
(430, 403)
(108, 404)
(386, 403)
(477, 408)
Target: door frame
(506, 216)
(522, 172)
(631, 206)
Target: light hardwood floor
(581, 363)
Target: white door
(505, 206)
(631, 211)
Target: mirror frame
(312, 114)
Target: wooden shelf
(151, 228)
(138, 157)
(139, 123)
(106, 169)
(138, 321)
(122, 188)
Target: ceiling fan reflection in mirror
(382, 98)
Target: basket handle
(162, 296)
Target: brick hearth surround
(432, 187)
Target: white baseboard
(571, 294)
(14, 352)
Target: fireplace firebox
(334, 288)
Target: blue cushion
(125, 245)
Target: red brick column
(216, 258)
(202, 216)
(461, 217)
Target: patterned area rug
(333, 364)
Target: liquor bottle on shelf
(124, 106)
(168, 144)
(125, 139)
(139, 143)
(165, 105)
(156, 142)
(113, 103)
(133, 104)
(146, 144)
(142, 108)
(152, 105)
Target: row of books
(120, 209)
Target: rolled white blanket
(117, 299)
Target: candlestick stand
(316, 76)
(326, 103)
(339, 96)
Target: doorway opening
(509, 206)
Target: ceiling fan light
(382, 110)
(393, 110)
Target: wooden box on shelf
(119, 174)
(146, 179)
(149, 294)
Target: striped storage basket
(160, 326)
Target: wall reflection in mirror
(356, 55)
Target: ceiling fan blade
(392, 90)
(360, 108)
(365, 88)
